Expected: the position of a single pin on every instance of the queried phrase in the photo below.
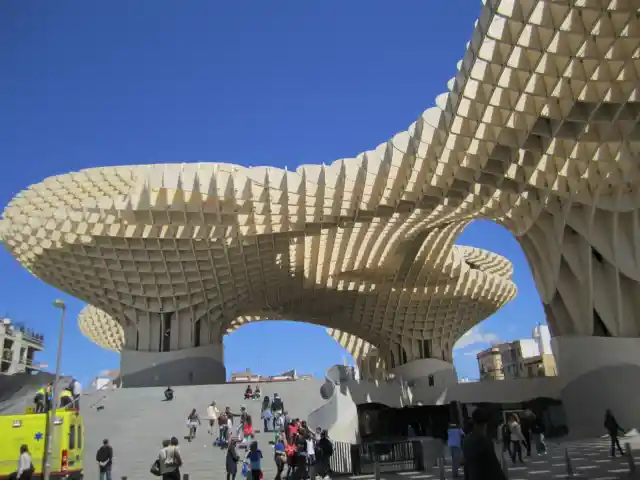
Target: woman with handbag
(169, 461)
(25, 467)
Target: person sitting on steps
(168, 394)
(248, 393)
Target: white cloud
(475, 336)
(472, 353)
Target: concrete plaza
(589, 458)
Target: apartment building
(19, 346)
(490, 364)
(525, 358)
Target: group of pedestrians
(517, 433)
(476, 447)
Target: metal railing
(389, 456)
(341, 462)
(399, 455)
(28, 334)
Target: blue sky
(88, 84)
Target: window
(72, 437)
(166, 337)
(196, 334)
(426, 347)
(79, 436)
(431, 381)
(403, 354)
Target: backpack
(222, 420)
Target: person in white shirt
(76, 390)
(25, 467)
(229, 431)
(311, 453)
(212, 414)
(170, 460)
(517, 438)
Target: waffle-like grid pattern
(107, 332)
(101, 328)
(538, 131)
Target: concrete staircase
(136, 420)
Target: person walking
(537, 436)
(254, 461)
(104, 457)
(170, 460)
(479, 453)
(517, 439)
(232, 461)
(280, 456)
(25, 466)
(213, 413)
(526, 424)
(324, 451)
(193, 421)
(454, 441)
(247, 430)
(505, 437)
(267, 419)
(613, 428)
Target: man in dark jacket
(480, 458)
(613, 428)
(277, 405)
(323, 451)
(104, 457)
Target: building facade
(490, 364)
(19, 346)
(524, 358)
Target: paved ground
(590, 460)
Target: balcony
(28, 335)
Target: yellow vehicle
(30, 429)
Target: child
(254, 460)
(232, 461)
(280, 457)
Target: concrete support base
(429, 379)
(193, 366)
(597, 373)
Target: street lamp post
(52, 413)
